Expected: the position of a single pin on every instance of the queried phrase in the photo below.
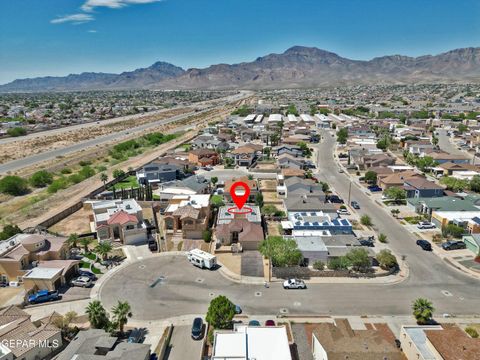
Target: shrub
(340, 263)
(382, 238)
(66, 171)
(472, 332)
(86, 172)
(319, 265)
(207, 236)
(386, 259)
(8, 231)
(41, 178)
(366, 220)
(359, 259)
(85, 163)
(75, 178)
(118, 173)
(57, 185)
(17, 131)
(13, 185)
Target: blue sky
(58, 37)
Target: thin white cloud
(90, 5)
(92, 31)
(74, 19)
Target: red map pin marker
(241, 199)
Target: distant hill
(297, 67)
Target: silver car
(294, 284)
(82, 281)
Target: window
(130, 227)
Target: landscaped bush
(319, 265)
(17, 131)
(340, 263)
(66, 171)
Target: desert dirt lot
(31, 213)
(23, 148)
(77, 223)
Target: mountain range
(297, 67)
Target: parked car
(294, 284)
(88, 274)
(453, 245)
(269, 323)
(374, 188)
(425, 225)
(424, 244)
(238, 309)
(82, 281)
(367, 242)
(335, 199)
(136, 336)
(43, 296)
(197, 328)
(254, 323)
(355, 205)
(343, 212)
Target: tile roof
(122, 217)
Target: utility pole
(349, 192)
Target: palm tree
(97, 315)
(103, 178)
(72, 240)
(121, 313)
(423, 310)
(85, 242)
(103, 248)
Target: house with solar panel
(320, 236)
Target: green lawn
(128, 183)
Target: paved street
(167, 286)
(182, 346)
(446, 145)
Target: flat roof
(252, 343)
(419, 338)
(42, 273)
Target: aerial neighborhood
(253, 226)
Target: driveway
(252, 264)
(182, 346)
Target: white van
(202, 259)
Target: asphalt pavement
(182, 346)
(168, 286)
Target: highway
(52, 154)
(188, 290)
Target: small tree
(103, 178)
(72, 240)
(423, 311)
(386, 259)
(370, 177)
(97, 315)
(366, 220)
(121, 312)
(8, 231)
(118, 173)
(207, 235)
(359, 259)
(283, 252)
(214, 180)
(85, 242)
(259, 199)
(395, 193)
(342, 136)
(472, 332)
(454, 230)
(104, 248)
(220, 313)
